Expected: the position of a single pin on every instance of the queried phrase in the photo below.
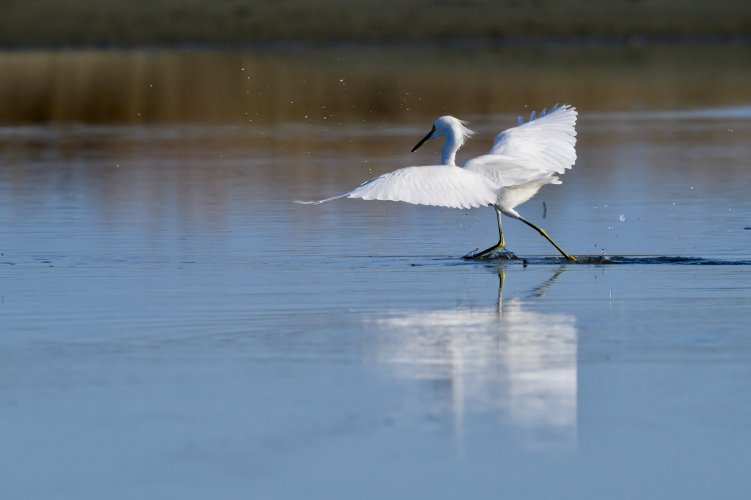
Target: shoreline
(637, 42)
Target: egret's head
(447, 126)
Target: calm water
(174, 327)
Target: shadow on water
(505, 359)
(510, 258)
(646, 259)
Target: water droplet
(622, 218)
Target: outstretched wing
(546, 142)
(544, 146)
(442, 186)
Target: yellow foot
(571, 258)
(492, 253)
(479, 255)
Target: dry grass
(358, 85)
(148, 22)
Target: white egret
(521, 161)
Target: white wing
(504, 171)
(542, 147)
(443, 186)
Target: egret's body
(521, 161)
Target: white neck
(450, 147)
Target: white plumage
(527, 157)
(547, 142)
(439, 185)
(521, 161)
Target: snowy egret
(521, 161)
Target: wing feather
(443, 186)
(534, 152)
(546, 143)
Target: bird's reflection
(508, 360)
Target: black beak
(422, 141)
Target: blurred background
(122, 23)
(234, 61)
